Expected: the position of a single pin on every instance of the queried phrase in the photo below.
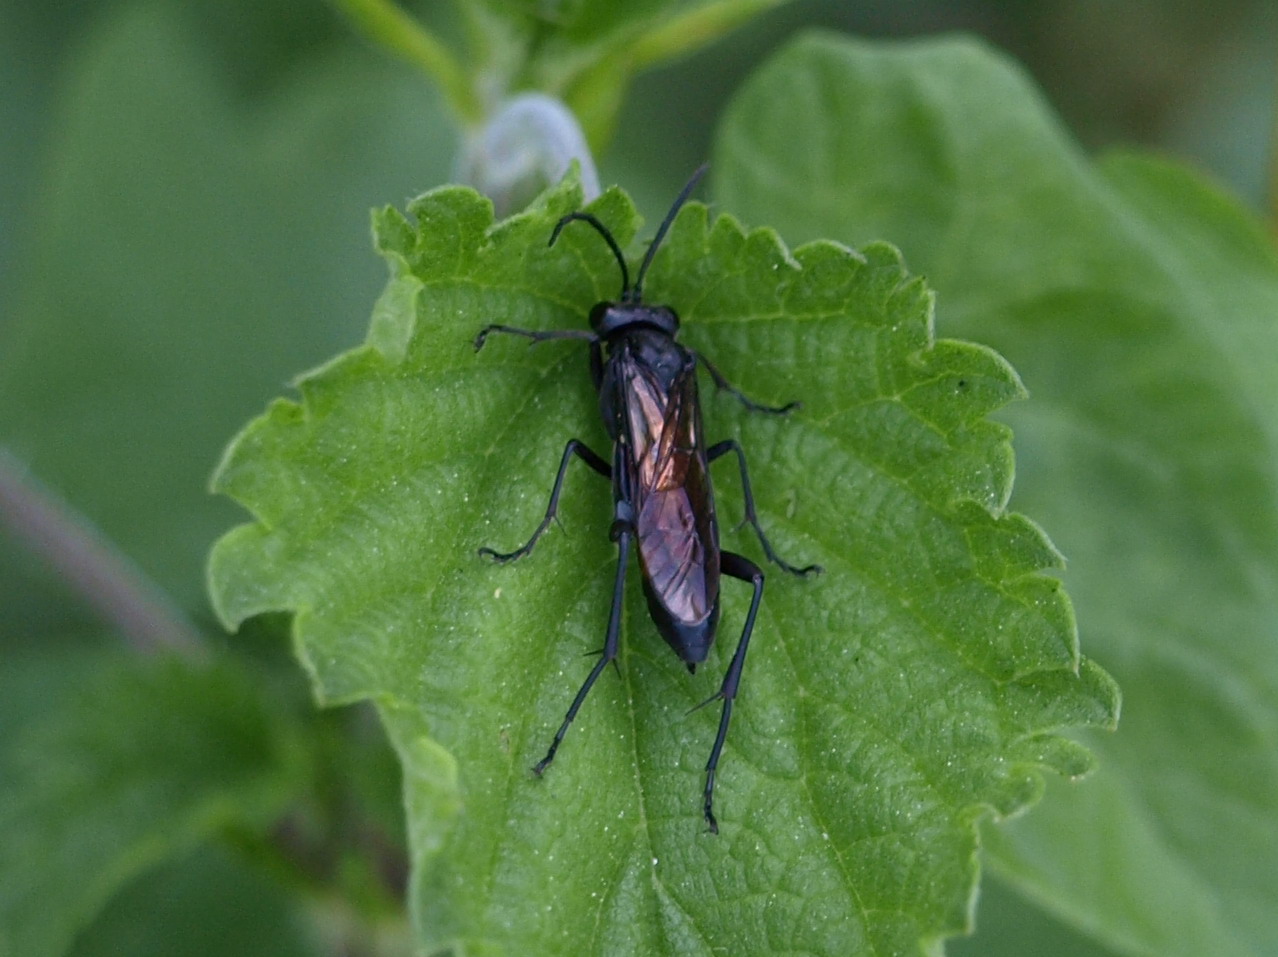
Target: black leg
(574, 447)
(536, 335)
(723, 384)
(741, 568)
(731, 445)
(611, 640)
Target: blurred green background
(184, 195)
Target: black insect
(660, 477)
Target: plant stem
(106, 578)
(388, 25)
(696, 28)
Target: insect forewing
(677, 535)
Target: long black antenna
(612, 244)
(636, 294)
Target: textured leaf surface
(886, 705)
(1139, 305)
(131, 765)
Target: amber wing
(674, 508)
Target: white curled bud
(524, 147)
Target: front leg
(536, 335)
(583, 452)
(724, 385)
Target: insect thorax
(610, 318)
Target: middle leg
(731, 445)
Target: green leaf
(125, 766)
(1005, 927)
(886, 706)
(1138, 303)
(206, 904)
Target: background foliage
(184, 204)
(923, 679)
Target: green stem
(694, 29)
(386, 24)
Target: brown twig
(99, 572)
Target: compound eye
(598, 313)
